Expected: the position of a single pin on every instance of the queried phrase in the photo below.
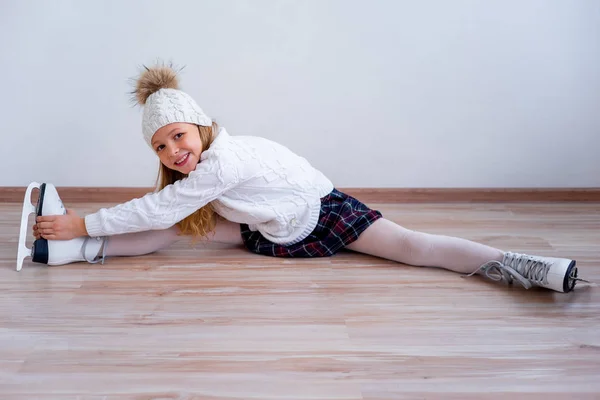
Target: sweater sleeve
(165, 208)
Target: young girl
(252, 191)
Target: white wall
(495, 93)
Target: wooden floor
(220, 323)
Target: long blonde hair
(204, 220)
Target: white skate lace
(524, 269)
(85, 242)
(531, 268)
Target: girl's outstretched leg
(389, 240)
(140, 243)
(96, 249)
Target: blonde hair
(204, 220)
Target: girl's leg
(140, 243)
(96, 249)
(389, 240)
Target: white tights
(389, 240)
(137, 244)
(384, 239)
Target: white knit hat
(167, 106)
(157, 89)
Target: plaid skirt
(341, 220)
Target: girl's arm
(164, 209)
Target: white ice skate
(559, 274)
(52, 252)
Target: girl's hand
(59, 227)
(36, 233)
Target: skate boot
(559, 274)
(53, 252)
(60, 252)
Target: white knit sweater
(248, 179)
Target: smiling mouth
(183, 160)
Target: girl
(252, 191)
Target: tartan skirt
(341, 221)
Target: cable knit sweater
(248, 179)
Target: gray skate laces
(528, 267)
(520, 267)
(497, 271)
(85, 242)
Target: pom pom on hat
(157, 89)
(154, 79)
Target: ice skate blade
(22, 250)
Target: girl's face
(178, 145)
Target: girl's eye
(159, 148)
(178, 135)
